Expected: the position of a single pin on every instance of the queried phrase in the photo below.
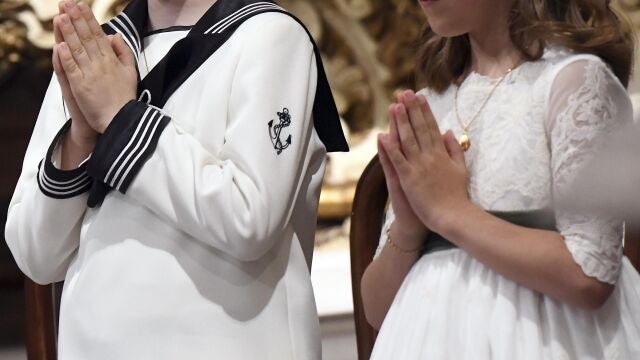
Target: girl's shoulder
(564, 64)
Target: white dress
(536, 130)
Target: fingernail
(65, 19)
(82, 6)
(409, 95)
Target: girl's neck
(167, 13)
(492, 51)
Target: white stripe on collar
(125, 37)
(128, 31)
(237, 13)
(133, 28)
(223, 28)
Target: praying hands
(425, 171)
(96, 72)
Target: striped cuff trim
(126, 145)
(61, 184)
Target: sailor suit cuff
(61, 184)
(126, 144)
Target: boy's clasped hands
(97, 73)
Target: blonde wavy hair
(584, 26)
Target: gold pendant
(465, 142)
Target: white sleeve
(586, 104)
(47, 207)
(240, 199)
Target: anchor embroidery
(275, 131)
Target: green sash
(536, 219)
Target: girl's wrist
(453, 222)
(405, 239)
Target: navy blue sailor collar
(213, 29)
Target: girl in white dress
(529, 88)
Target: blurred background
(368, 48)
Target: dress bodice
(541, 125)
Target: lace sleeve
(586, 103)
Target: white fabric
(541, 124)
(208, 253)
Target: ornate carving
(368, 47)
(12, 45)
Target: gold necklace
(465, 140)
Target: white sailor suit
(188, 233)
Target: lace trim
(594, 263)
(576, 135)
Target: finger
(95, 28)
(59, 70)
(417, 120)
(430, 120)
(395, 155)
(65, 88)
(57, 33)
(55, 60)
(393, 124)
(122, 50)
(389, 172)
(398, 95)
(453, 147)
(61, 7)
(72, 40)
(407, 137)
(82, 29)
(393, 129)
(69, 65)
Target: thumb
(453, 147)
(122, 50)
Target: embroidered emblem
(275, 131)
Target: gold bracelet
(398, 248)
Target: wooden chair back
(366, 223)
(42, 306)
(367, 218)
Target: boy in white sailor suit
(179, 201)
